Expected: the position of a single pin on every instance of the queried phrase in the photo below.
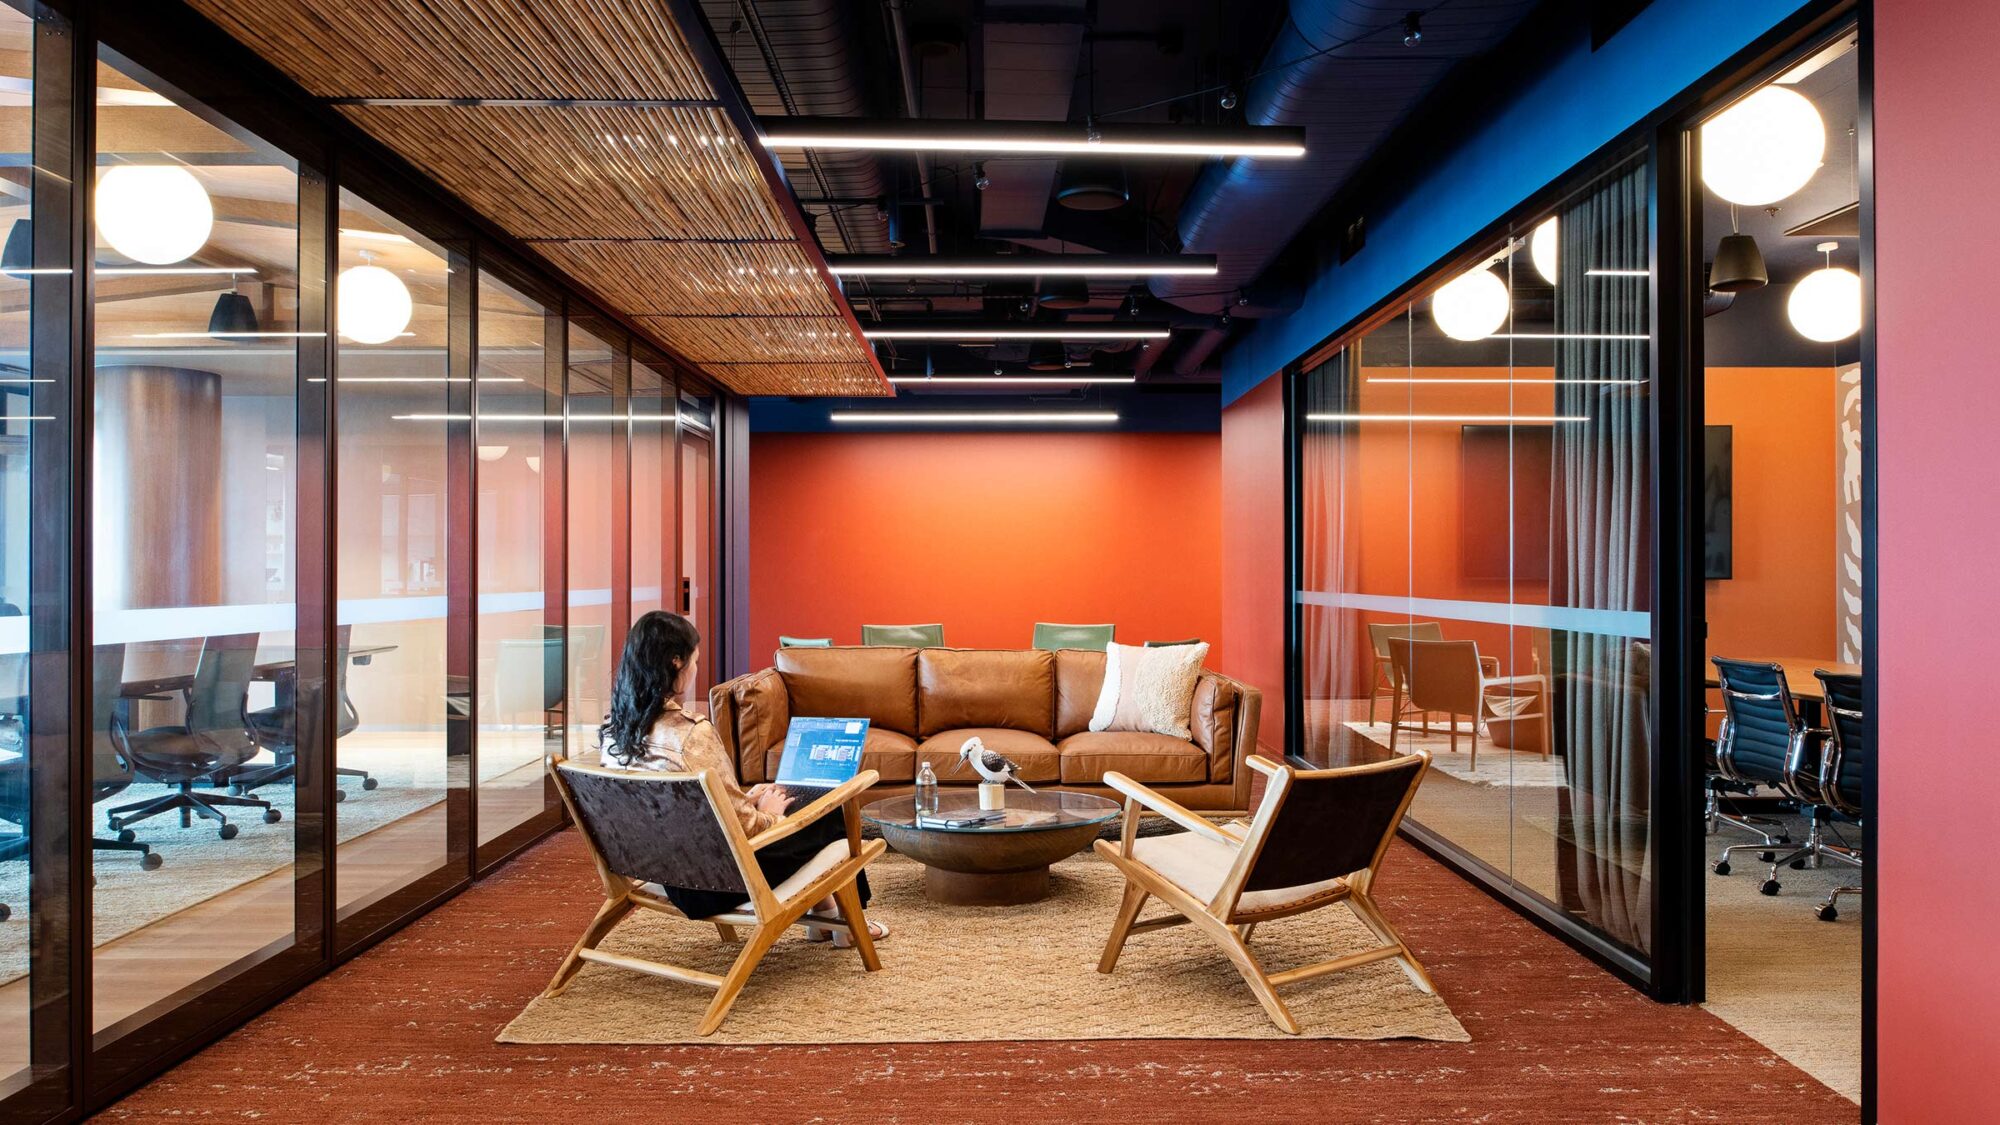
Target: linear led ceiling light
(1054, 138)
(918, 417)
(1495, 419)
(1065, 265)
(1514, 382)
(1016, 332)
(1050, 380)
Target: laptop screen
(822, 753)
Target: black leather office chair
(212, 742)
(1763, 742)
(1840, 783)
(277, 729)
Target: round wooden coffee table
(1000, 864)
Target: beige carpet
(1497, 767)
(972, 973)
(1780, 975)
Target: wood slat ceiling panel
(759, 339)
(590, 49)
(853, 379)
(673, 278)
(548, 172)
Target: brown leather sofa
(1032, 705)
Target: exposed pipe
(910, 104)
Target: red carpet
(405, 1033)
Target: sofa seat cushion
(1197, 865)
(889, 753)
(1037, 756)
(1155, 759)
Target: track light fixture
(1228, 100)
(1413, 29)
(980, 180)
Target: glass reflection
(697, 516)
(1475, 558)
(195, 300)
(520, 642)
(596, 460)
(392, 393)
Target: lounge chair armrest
(834, 798)
(1172, 810)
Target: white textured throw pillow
(1149, 689)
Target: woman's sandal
(877, 930)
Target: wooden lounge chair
(646, 829)
(1316, 840)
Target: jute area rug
(952, 974)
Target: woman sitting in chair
(648, 729)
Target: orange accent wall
(987, 533)
(1784, 500)
(1253, 551)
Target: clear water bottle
(927, 791)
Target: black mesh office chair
(1762, 741)
(211, 742)
(110, 771)
(1842, 777)
(277, 729)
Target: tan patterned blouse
(684, 742)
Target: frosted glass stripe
(1606, 622)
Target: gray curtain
(1330, 660)
(1605, 543)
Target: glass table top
(1026, 812)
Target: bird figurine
(993, 767)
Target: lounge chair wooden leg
(1371, 916)
(761, 940)
(1474, 764)
(1128, 912)
(848, 897)
(1246, 932)
(1260, 986)
(727, 931)
(608, 916)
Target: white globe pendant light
(1826, 304)
(374, 304)
(1544, 250)
(158, 214)
(1763, 148)
(1471, 306)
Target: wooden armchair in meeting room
(1384, 684)
(211, 742)
(1451, 678)
(277, 729)
(645, 829)
(1315, 840)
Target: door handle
(687, 595)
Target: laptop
(820, 754)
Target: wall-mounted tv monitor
(1718, 549)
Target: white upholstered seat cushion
(1197, 865)
(825, 860)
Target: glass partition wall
(296, 594)
(1475, 553)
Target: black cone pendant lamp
(234, 315)
(1739, 265)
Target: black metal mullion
(316, 574)
(462, 557)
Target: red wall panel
(987, 533)
(1938, 606)
(1253, 550)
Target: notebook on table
(819, 755)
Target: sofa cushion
(1155, 759)
(1079, 681)
(1037, 756)
(892, 754)
(763, 711)
(1213, 723)
(878, 684)
(1013, 688)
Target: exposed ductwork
(1031, 50)
(796, 57)
(1340, 70)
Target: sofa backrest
(1011, 688)
(1079, 681)
(879, 684)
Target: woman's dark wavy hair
(658, 647)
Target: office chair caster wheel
(272, 816)
(235, 790)
(227, 831)
(1826, 913)
(1770, 887)
(126, 835)
(1766, 857)
(151, 861)
(6, 912)
(1722, 867)
(369, 783)
(339, 795)
(1798, 864)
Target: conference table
(279, 669)
(1805, 687)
